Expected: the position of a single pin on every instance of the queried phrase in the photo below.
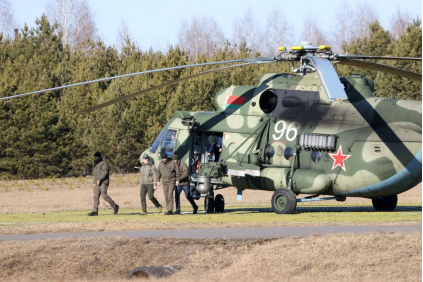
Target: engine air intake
(268, 101)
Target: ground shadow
(327, 209)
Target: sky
(156, 23)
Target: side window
(168, 145)
(156, 143)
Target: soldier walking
(100, 184)
(184, 182)
(168, 171)
(148, 184)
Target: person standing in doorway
(215, 142)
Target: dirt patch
(346, 257)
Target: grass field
(60, 205)
(236, 216)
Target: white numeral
(281, 131)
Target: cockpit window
(168, 145)
(156, 143)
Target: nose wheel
(209, 203)
(284, 201)
(212, 204)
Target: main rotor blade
(172, 82)
(264, 59)
(389, 58)
(383, 68)
(329, 78)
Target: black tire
(219, 203)
(284, 201)
(386, 203)
(209, 203)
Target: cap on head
(212, 139)
(163, 155)
(97, 154)
(175, 157)
(145, 156)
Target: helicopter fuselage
(284, 133)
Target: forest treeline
(46, 135)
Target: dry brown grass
(61, 194)
(342, 257)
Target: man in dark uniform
(148, 184)
(168, 171)
(184, 182)
(101, 183)
(215, 147)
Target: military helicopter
(309, 132)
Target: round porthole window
(316, 156)
(269, 152)
(288, 153)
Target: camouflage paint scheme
(381, 137)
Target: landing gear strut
(385, 203)
(284, 201)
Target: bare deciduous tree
(365, 14)
(312, 32)
(7, 20)
(201, 36)
(75, 20)
(399, 23)
(352, 23)
(245, 30)
(278, 32)
(123, 34)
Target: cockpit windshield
(156, 143)
(168, 145)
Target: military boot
(116, 209)
(143, 213)
(159, 209)
(92, 214)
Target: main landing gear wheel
(209, 203)
(284, 201)
(386, 203)
(219, 203)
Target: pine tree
(31, 131)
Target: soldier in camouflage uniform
(184, 182)
(168, 171)
(101, 183)
(148, 184)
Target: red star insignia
(339, 159)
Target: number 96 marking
(291, 132)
